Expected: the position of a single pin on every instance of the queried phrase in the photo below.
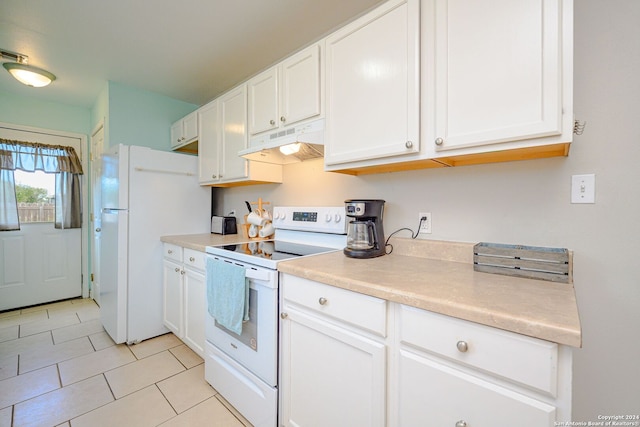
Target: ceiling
(190, 50)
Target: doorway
(39, 263)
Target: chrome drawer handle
(461, 423)
(322, 301)
(191, 259)
(272, 122)
(283, 315)
(462, 346)
(169, 251)
(177, 269)
(439, 141)
(408, 144)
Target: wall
(138, 117)
(529, 203)
(21, 110)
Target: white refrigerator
(145, 194)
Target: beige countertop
(439, 277)
(198, 242)
(450, 286)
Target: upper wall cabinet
(287, 93)
(223, 132)
(372, 77)
(184, 132)
(496, 76)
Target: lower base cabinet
(435, 394)
(334, 377)
(185, 302)
(351, 359)
(333, 373)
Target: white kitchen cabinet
(435, 394)
(496, 76)
(184, 131)
(172, 313)
(184, 289)
(454, 372)
(351, 359)
(286, 93)
(195, 300)
(172, 295)
(372, 86)
(223, 133)
(333, 369)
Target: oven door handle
(263, 275)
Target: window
(35, 194)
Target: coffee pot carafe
(365, 235)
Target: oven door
(256, 347)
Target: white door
(330, 376)
(372, 85)
(39, 263)
(233, 107)
(497, 70)
(97, 144)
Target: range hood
(295, 144)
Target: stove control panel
(321, 219)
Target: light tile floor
(58, 367)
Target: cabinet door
(263, 101)
(195, 306)
(434, 394)
(172, 296)
(233, 109)
(209, 143)
(300, 86)
(190, 127)
(176, 134)
(330, 376)
(498, 70)
(372, 85)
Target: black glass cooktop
(267, 252)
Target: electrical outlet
(425, 226)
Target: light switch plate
(583, 188)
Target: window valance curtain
(30, 157)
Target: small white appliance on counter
(145, 194)
(244, 367)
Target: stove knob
(276, 215)
(327, 217)
(338, 217)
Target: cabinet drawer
(525, 360)
(360, 310)
(194, 259)
(436, 395)
(173, 252)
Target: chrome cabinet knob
(191, 259)
(439, 141)
(214, 176)
(283, 315)
(182, 272)
(98, 230)
(322, 301)
(462, 346)
(169, 251)
(408, 144)
(272, 122)
(283, 119)
(461, 423)
(177, 269)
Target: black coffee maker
(365, 235)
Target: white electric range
(243, 368)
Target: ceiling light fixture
(25, 73)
